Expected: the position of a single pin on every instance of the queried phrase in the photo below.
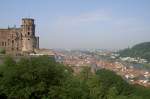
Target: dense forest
(141, 50)
(43, 78)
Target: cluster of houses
(136, 60)
(129, 59)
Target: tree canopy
(43, 78)
(141, 50)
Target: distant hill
(141, 50)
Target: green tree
(43, 78)
(31, 77)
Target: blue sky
(110, 24)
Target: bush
(2, 51)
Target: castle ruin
(19, 41)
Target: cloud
(82, 19)
(103, 18)
(98, 29)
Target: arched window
(12, 41)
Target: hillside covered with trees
(43, 78)
(141, 50)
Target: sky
(103, 24)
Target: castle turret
(29, 41)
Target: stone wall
(19, 40)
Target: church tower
(29, 41)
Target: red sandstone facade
(19, 41)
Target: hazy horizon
(104, 24)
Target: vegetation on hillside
(43, 78)
(141, 50)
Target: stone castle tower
(28, 35)
(21, 40)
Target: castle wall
(10, 40)
(27, 45)
(3, 38)
(19, 40)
